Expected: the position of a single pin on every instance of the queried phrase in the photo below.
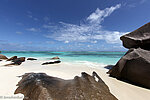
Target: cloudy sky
(69, 25)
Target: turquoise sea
(102, 57)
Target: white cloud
(30, 15)
(33, 29)
(93, 41)
(88, 46)
(50, 42)
(66, 42)
(142, 1)
(136, 3)
(18, 32)
(99, 15)
(89, 31)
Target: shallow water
(83, 57)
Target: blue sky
(69, 25)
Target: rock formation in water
(39, 86)
(138, 38)
(134, 66)
(55, 57)
(3, 57)
(31, 59)
(12, 58)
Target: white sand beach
(46, 44)
(9, 79)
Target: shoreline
(120, 89)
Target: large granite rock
(39, 86)
(3, 57)
(134, 66)
(138, 38)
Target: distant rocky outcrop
(12, 58)
(138, 38)
(52, 62)
(0, 51)
(31, 59)
(3, 57)
(17, 61)
(22, 59)
(39, 86)
(134, 66)
(55, 57)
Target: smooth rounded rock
(3, 57)
(138, 38)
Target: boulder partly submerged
(3, 57)
(134, 66)
(55, 57)
(138, 38)
(39, 86)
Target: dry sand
(9, 79)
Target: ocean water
(105, 57)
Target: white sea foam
(4, 62)
(91, 64)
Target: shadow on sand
(124, 80)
